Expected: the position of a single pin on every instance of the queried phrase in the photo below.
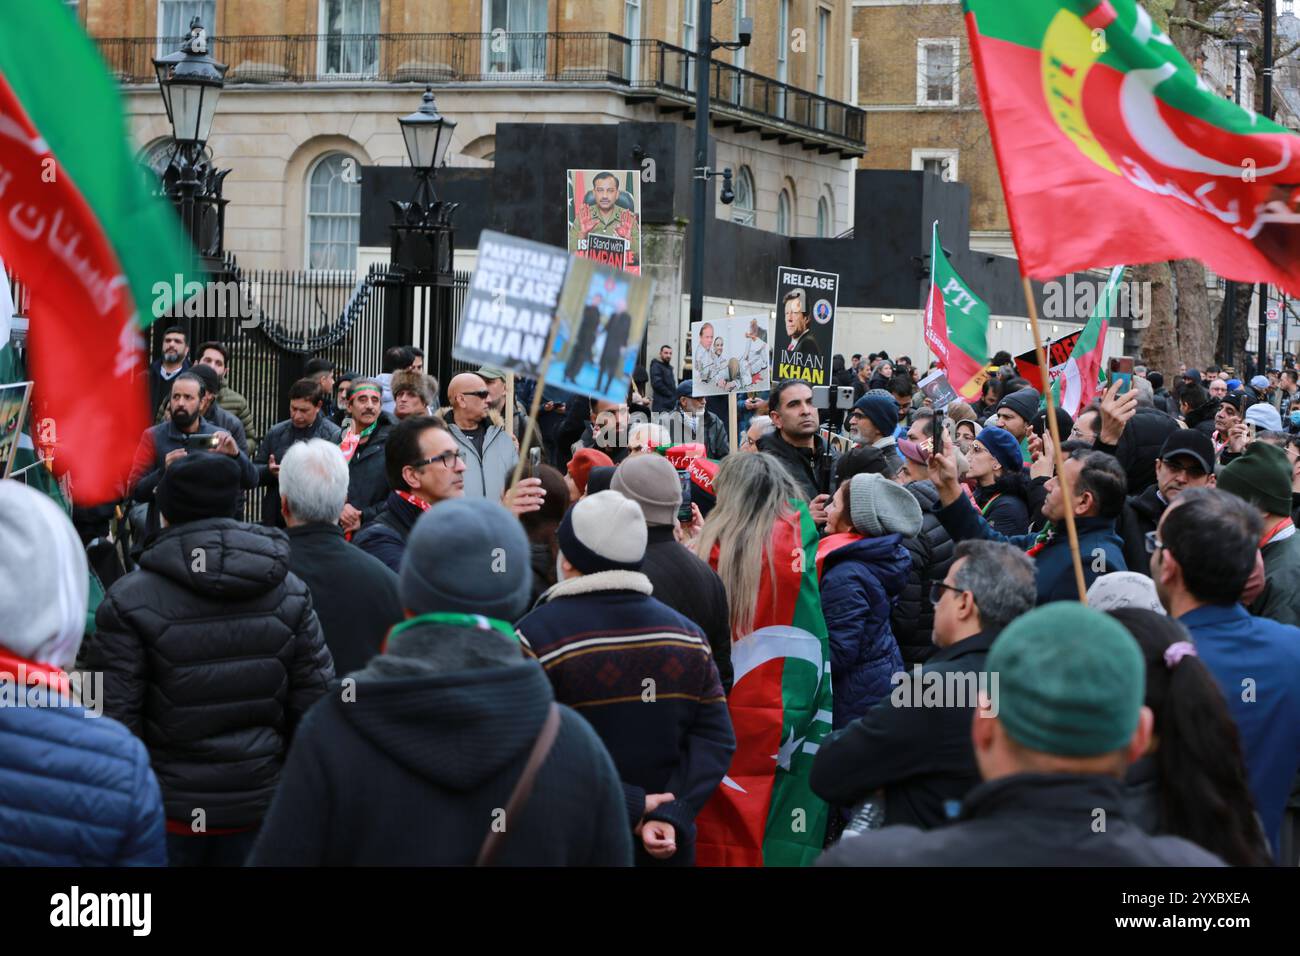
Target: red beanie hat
(580, 466)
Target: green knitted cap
(1261, 476)
(1070, 680)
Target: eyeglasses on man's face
(447, 458)
(1154, 544)
(937, 589)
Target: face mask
(1295, 418)
(559, 567)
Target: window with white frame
(940, 162)
(631, 30)
(522, 25)
(174, 18)
(742, 210)
(688, 43)
(823, 31)
(333, 213)
(936, 72)
(782, 43)
(350, 42)
(825, 225)
(784, 213)
(739, 55)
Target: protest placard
(938, 389)
(600, 322)
(13, 409)
(604, 217)
(731, 355)
(510, 303)
(805, 329)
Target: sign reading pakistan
(604, 216)
(511, 303)
(805, 325)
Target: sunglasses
(481, 393)
(937, 589)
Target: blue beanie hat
(1004, 448)
(467, 556)
(881, 411)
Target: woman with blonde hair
(761, 540)
(754, 502)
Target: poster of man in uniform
(13, 410)
(731, 355)
(805, 326)
(605, 217)
(601, 321)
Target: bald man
(487, 449)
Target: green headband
(366, 387)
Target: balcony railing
(650, 67)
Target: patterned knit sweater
(643, 676)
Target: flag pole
(1056, 444)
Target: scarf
(478, 622)
(348, 445)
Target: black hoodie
(414, 768)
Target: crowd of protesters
(401, 627)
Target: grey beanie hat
(879, 507)
(1124, 589)
(651, 481)
(468, 556)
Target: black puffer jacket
(1141, 514)
(1139, 446)
(931, 551)
(211, 653)
(1007, 503)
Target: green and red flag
(1112, 149)
(1083, 374)
(764, 812)
(81, 229)
(956, 325)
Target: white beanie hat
(44, 581)
(1124, 589)
(603, 532)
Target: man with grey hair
(916, 744)
(355, 594)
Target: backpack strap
(487, 854)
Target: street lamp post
(191, 82)
(702, 173)
(423, 253)
(1266, 74)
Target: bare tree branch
(1198, 25)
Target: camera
(746, 31)
(832, 397)
(728, 194)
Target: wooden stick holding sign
(1061, 476)
(510, 407)
(731, 422)
(537, 401)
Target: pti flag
(764, 812)
(956, 325)
(1082, 375)
(1099, 123)
(80, 228)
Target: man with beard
(185, 429)
(363, 447)
(795, 442)
(1186, 461)
(175, 360)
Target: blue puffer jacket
(861, 579)
(74, 790)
